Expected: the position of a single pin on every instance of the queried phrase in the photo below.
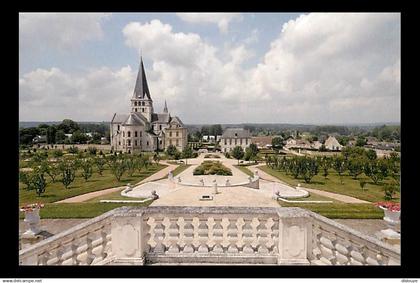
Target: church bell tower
(141, 102)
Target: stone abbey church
(143, 129)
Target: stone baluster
(74, 254)
(159, 231)
(356, 256)
(274, 236)
(43, 258)
(203, 235)
(232, 233)
(173, 233)
(262, 236)
(247, 236)
(146, 235)
(188, 235)
(217, 235)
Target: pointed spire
(141, 90)
(165, 109)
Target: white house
(332, 144)
(233, 137)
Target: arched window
(129, 134)
(142, 110)
(118, 127)
(135, 134)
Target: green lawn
(341, 210)
(316, 197)
(244, 169)
(56, 191)
(80, 210)
(180, 169)
(350, 187)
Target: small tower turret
(165, 109)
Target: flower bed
(31, 207)
(212, 168)
(391, 206)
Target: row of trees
(353, 161)
(57, 133)
(65, 169)
(174, 153)
(250, 153)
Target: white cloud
(221, 19)
(322, 68)
(40, 31)
(46, 95)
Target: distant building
(143, 129)
(292, 143)
(332, 144)
(40, 139)
(233, 137)
(316, 145)
(210, 139)
(263, 142)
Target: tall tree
(238, 153)
(187, 153)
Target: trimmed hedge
(212, 168)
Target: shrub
(92, 150)
(212, 168)
(73, 149)
(57, 153)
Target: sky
(311, 68)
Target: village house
(332, 144)
(263, 142)
(233, 137)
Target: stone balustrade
(88, 243)
(210, 235)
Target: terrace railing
(210, 235)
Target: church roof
(119, 118)
(236, 133)
(160, 118)
(141, 90)
(134, 119)
(177, 120)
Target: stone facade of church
(143, 129)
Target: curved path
(156, 176)
(339, 197)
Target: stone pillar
(128, 242)
(295, 240)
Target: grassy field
(350, 187)
(341, 210)
(80, 210)
(244, 169)
(180, 169)
(56, 191)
